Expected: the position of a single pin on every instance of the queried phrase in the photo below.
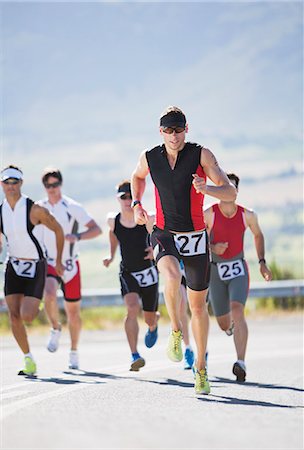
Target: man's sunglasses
(169, 130)
(12, 181)
(126, 197)
(52, 185)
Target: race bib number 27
(191, 244)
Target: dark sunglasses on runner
(52, 185)
(11, 181)
(126, 197)
(169, 130)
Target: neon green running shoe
(201, 382)
(30, 367)
(174, 349)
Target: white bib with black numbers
(232, 269)
(146, 277)
(24, 268)
(70, 269)
(191, 244)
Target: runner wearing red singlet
(179, 170)
(229, 278)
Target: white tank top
(71, 215)
(23, 240)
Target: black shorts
(148, 294)
(29, 287)
(197, 266)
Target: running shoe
(53, 342)
(239, 370)
(30, 367)
(189, 359)
(230, 330)
(151, 337)
(206, 360)
(201, 382)
(137, 363)
(73, 360)
(174, 348)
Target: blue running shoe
(189, 359)
(151, 337)
(137, 362)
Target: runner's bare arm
(93, 230)
(223, 189)
(252, 221)
(138, 185)
(113, 243)
(42, 215)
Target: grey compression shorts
(222, 292)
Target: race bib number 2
(191, 244)
(24, 268)
(146, 277)
(231, 269)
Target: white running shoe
(74, 360)
(53, 342)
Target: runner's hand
(265, 272)
(140, 215)
(199, 184)
(107, 261)
(219, 248)
(59, 268)
(72, 238)
(149, 251)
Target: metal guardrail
(92, 298)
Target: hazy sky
(89, 80)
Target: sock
(188, 347)
(135, 355)
(28, 355)
(242, 364)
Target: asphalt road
(104, 406)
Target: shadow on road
(57, 380)
(252, 384)
(239, 401)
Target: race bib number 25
(190, 244)
(231, 269)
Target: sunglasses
(52, 185)
(169, 130)
(126, 197)
(13, 181)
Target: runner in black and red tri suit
(138, 273)
(229, 276)
(179, 171)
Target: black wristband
(78, 236)
(135, 202)
(262, 260)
